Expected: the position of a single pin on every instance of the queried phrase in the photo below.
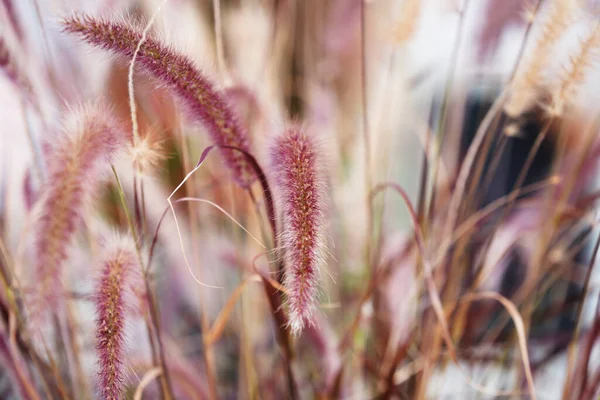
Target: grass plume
(205, 103)
(77, 161)
(296, 158)
(115, 299)
(529, 78)
(574, 72)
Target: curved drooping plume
(77, 161)
(116, 298)
(204, 102)
(300, 184)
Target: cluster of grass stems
(244, 275)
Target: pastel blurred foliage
(282, 263)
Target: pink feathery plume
(204, 102)
(77, 161)
(116, 299)
(300, 185)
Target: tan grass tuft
(530, 78)
(574, 73)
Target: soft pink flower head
(117, 298)
(204, 102)
(76, 162)
(300, 186)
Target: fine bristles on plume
(574, 73)
(529, 78)
(205, 103)
(296, 160)
(77, 160)
(147, 152)
(115, 300)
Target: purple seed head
(115, 301)
(205, 103)
(77, 161)
(296, 160)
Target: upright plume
(300, 185)
(117, 298)
(77, 161)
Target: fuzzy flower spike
(204, 102)
(300, 185)
(116, 298)
(77, 160)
